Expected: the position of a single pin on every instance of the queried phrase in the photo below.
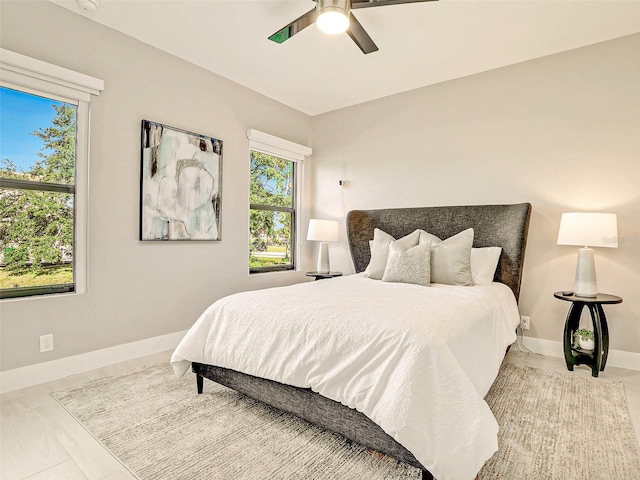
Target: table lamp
(588, 230)
(323, 231)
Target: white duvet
(416, 360)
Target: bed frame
(503, 226)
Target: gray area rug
(552, 426)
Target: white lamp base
(323, 258)
(586, 284)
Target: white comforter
(416, 360)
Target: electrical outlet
(46, 343)
(524, 322)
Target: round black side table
(320, 276)
(596, 359)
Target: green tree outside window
(272, 214)
(37, 209)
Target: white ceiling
(420, 44)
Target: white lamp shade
(589, 229)
(323, 230)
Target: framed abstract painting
(181, 176)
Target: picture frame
(180, 184)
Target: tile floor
(40, 441)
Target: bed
(504, 226)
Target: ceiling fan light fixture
(333, 16)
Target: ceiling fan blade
(294, 27)
(359, 35)
(381, 3)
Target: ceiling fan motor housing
(343, 6)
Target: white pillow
(451, 258)
(380, 251)
(412, 265)
(484, 262)
(426, 236)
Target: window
(44, 112)
(272, 216)
(275, 172)
(37, 194)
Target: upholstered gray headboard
(503, 226)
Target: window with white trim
(274, 203)
(43, 186)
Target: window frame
(33, 76)
(293, 152)
(274, 208)
(16, 184)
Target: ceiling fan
(335, 16)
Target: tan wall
(561, 132)
(139, 290)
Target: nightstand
(596, 359)
(320, 276)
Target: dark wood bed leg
(426, 475)
(199, 382)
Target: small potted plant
(583, 339)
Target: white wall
(561, 132)
(139, 290)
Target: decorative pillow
(380, 251)
(451, 258)
(426, 236)
(484, 262)
(412, 265)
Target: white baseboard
(616, 358)
(30, 375)
(23, 377)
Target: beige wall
(561, 132)
(139, 290)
